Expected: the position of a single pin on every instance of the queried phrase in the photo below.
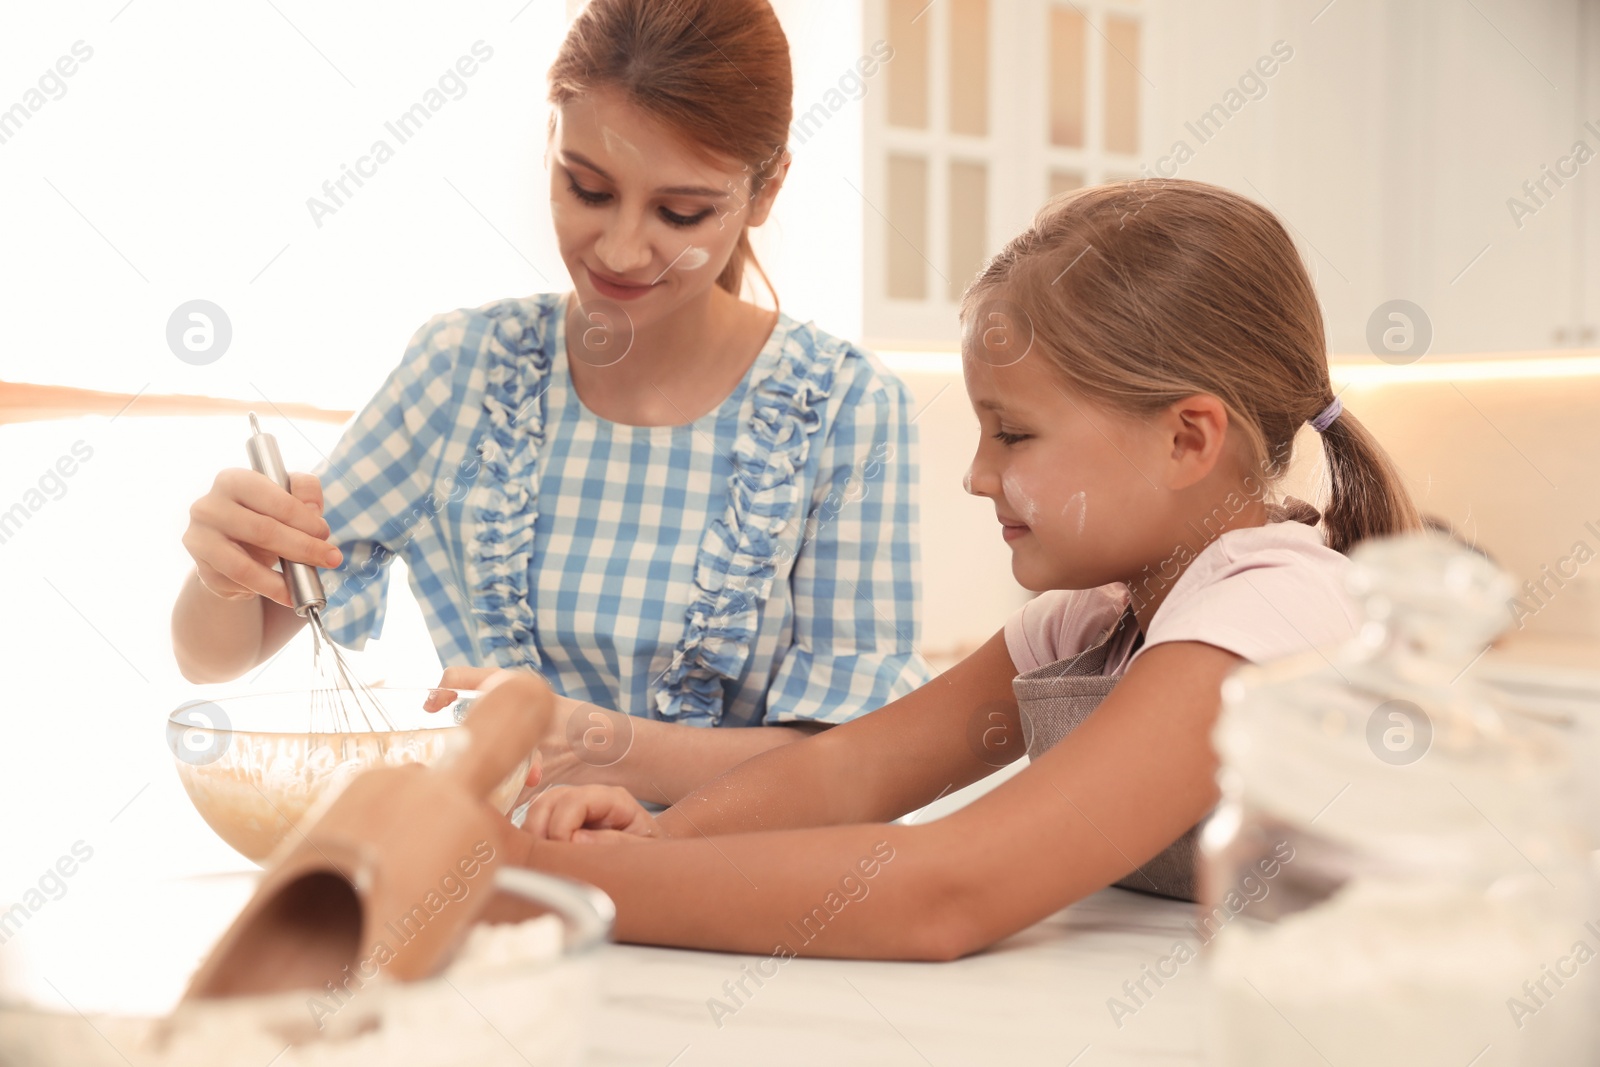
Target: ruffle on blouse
(739, 556)
(507, 505)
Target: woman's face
(642, 219)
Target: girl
(1140, 361)
(667, 500)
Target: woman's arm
(958, 728)
(655, 761)
(947, 734)
(663, 761)
(952, 731)
(241, 528)
(216, 639)
(1109, 797)
(233, 610)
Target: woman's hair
(1144, 292)
(716, 72)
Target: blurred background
(1433, 158)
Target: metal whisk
(340, 699)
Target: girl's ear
(1198, 429)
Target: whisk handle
(305, 588)
(504, 725)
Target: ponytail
(1366, 497)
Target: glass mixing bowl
(253, 769)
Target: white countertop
(1040, 997)
(1037, 998)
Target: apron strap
(1056, 699)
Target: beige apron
(1054, 700)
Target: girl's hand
(246, 523)
(589, 814)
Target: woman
(666, 500)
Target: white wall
(811, 245)
(967, 587)
(179, 162)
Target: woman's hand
(589, 814)
(582, 740)
(553, 759)
(246, 523)
(455, 678)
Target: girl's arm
(1109, 797)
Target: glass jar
(1399, 869)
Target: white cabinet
(1484, 197)
(1586, 235)
(1394, 141)
(1395, 138)
(989, 106)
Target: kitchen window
(990, 109)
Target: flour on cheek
(692, 258)
(1078, 502)
(1019, 498)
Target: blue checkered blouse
(758, 565)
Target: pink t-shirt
(1260, 592)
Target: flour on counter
(507, 998)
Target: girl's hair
(1141, 293)
(716, 72)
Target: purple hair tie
(1325, 417)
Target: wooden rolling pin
(390, 874)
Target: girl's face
(1064, 475)
(640, 218)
